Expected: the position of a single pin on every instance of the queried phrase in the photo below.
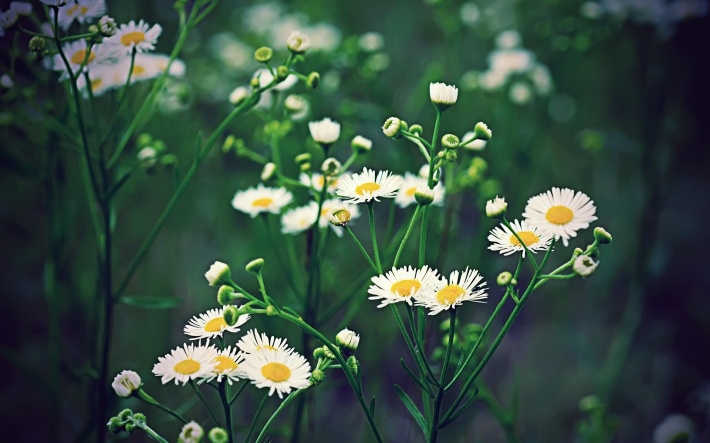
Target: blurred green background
(625, 121)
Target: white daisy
(447, 294)
(363, 187)
(401, 284)
(253, 342)
(315, 181)
(265, 78)
(279, 371)
(443, 94)
(297, 220)
(126, 382)
(410, 183)
(141, 36)
(507, 243)
(211, 324)
(82, 11)
(229, 362)
(324, 131)
(332, 203)
(102, 78)
(76, 54)
(147, 66)
(254, 201)
(561, 212)
(186, 363)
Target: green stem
(406, 236)
(434, 428)
(204, 400)
(256, 417)
(151, 433)
(142, 395)
(362, 249)
(224, 396)
(276, 413)
(373, 235)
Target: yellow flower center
(262, 202)
(450, 294)
(72, 10)
(269, 347)
(225, 364)
(526, 236)
(411, 191)
(80, 55)
(96, 84)
(215, 325)
(187, 367)
(367, 187)
(132, 38)
(138, 70)
(83, 10)
(559, 215)
(405, 288)
(276, 372)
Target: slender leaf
(415, 378)
(151, 302)
(459, 411)
(372, 406)
(411, 407)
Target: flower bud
(361, 144)
(496, 208)
(313, 80)
(353, 365)
(255, 266)
(584, 266)
(347, 341)
(107, 26)
(416, 130)
(589, 403)
(225, 295)
(129, 427)
(38, 44)
(443, 95)
(327, 353)
(305, 167)
(268, 172)
(239, 94)
(282, 72)
(254, 82)
(191, 433)
(318, 353)
(230, 315)
(482, 131)
(270, 310)
(126, 383)
(218, 435)
(338, 216)
(228, 143)
(504, 278)
(317, 376)
(450, 141)
(325, 132)
(602, 236)
(298, 43)
(303, 158)
(424, 195)
(263, 54)
(331, 167)
(392, 127)
(218, 274)
(450, 156)
(115, 425)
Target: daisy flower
(260, 199)
(279, 371)
(76, 53)
(315, 181)
(561, 212)
(229, 362)
(410, 183)
(297, 220)
(82, 11)
(324, 131)
(253, 342)
(186, 363)
(332, 203)
(443, 95)
(211, 324)
(102, 78)
(363, 187)
(140, 36)
(447, 294)
(401, 284)
(507, 243)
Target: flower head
(228, 362)
(186, 363)
(218, 274)
(449, 293)
(366, 186)
(82, 11)
(298, 42)
(125, 383)
(280, 371)
(191, 433)
(476, 144)
(336, 213)
(496, 208)
(325, 131)
(443, 95)
(347, 341)
(584, 266)
(211, 324)
(254, 201)
(361, 144)
(140, 36)
(401, 285)
(410, 183)
(561, 212)
(253, 342)
(297, 220)
(80, 57)
(507, 243)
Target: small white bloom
(409, 185)
(218, 273)
(520, 93)
(508, 39)
(496, 208)
(83, 11)
(474, 145)
(469, 13)
(443, 94)
(238, 95)
(254, 201)
(280, 371)
(361, 144)
(560, 211)
(211, 324)
(6, 82)
(363, 187)
(186, 363)
(253, 342)
(507, 243)
(584, 266)
(298, 42)
(125, 383)
(401, 284)
(674, 428)
(297, 220)
(316, 180)
(191, 433)
(448, 293)
(140, 36)
(347, 339)
(371, 41)
(324, 131)
(265, 78)
(268, 172)
(228, 363)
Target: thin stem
(276, 413)
(373, 235)
(406, 236)
(433, 430)
(362, 249)
(142, 395)
(224, 396)
(204, 400)
(256, 417)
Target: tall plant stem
(434, 425)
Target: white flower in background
(186, 363)
(442, 94)
(491, 80)
(298, 106)
(253, 342)
(496, 207)
(324, 131)
(191, 433)
(366, 186)
(140, 36)
(324, 37)
(297, 220)
(474, 145)
(675, 428)
(510, 61)
(228, 363)
(561, 212)
(448, 293)
(424, 171)
(508, 39)
(238, 95)
(125, 383)
(520, 93)
(469, 14)
(298, 42)
(332, 205)
(77, 53)
(7, 19)
(6, 82)
(409, 185)
(254, 201)
(211, 324)
(280, 371)
(83, 11)
(21, 8)
(316, 180)
(265, 78)
(541, 79)
(401, 284)
(147, 66)
(507, 243)
(371, 41)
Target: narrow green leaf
(372, 406)
(459, 411)
(291, 311)
(150, 301)
(409, 404)
(415, 378)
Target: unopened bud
(450, 141)
(392, 127)
(504, 278)
(601, 235)
(303, 158)
(255, 266)
(416, 129)
(317, 376)
(496, 208)
(424, 195)
(268, 172)
(361, 144)
(225, 295)
(38, 44)
(263, 54)
(482, 131)
(584, 266)
(230, 315)
(313, 80)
